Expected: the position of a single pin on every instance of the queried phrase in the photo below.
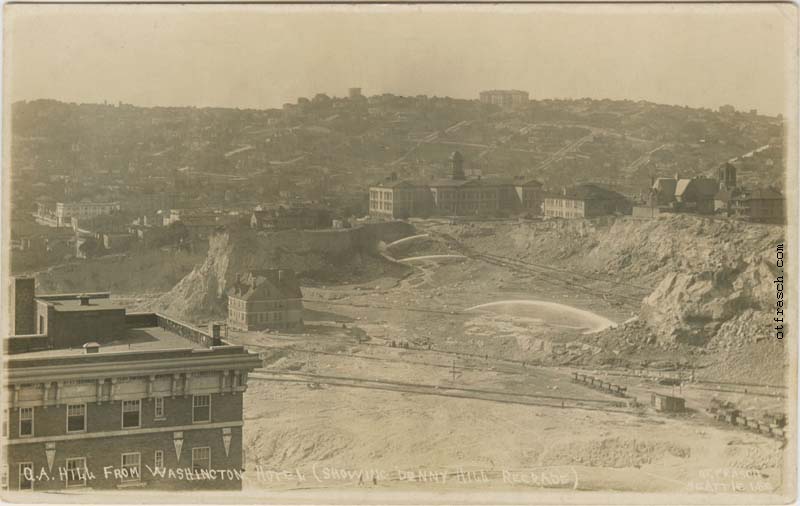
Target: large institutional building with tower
(458, 195)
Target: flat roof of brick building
(135, 339)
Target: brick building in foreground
(101, 398)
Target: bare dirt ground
(395, 385)
(329, 415)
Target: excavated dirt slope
(700, 279)
(701, 288)
(324, 256)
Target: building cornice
(140, 367)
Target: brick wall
(107, 453)
(24, 344)
(52, 420)
(74, 328)
(187, 331)
(140, 320)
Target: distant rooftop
(588, 191)
(388, 183)
(266, 284)
(504, 91)
(763, 194)
(442, 182)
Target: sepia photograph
(521, 253)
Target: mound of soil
(329, 256)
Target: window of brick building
(26, 475)
(25, 422)
(4, 477)
(158, 461)
(131, 463)
(201, 459)
(131, 414)
(201, 408)
(159, 408)
(76, 472)
(76, 417)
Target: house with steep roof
(705, 195)
(265, 299)
(696, 194)
(663, 190)
(529, 194)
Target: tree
(173, 234)
(90, 248)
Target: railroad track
(685, 376)
(467, 361)
(443, 391)
(525, 263)
(553, 275)
(393, 308)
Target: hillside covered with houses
(94, 179)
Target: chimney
(280, 275)
(564, 191)
(24, 300)
(84, 300)
(215, 330)
(677, 176)
(393, 176)
(91, 347)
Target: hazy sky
(263, 56)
